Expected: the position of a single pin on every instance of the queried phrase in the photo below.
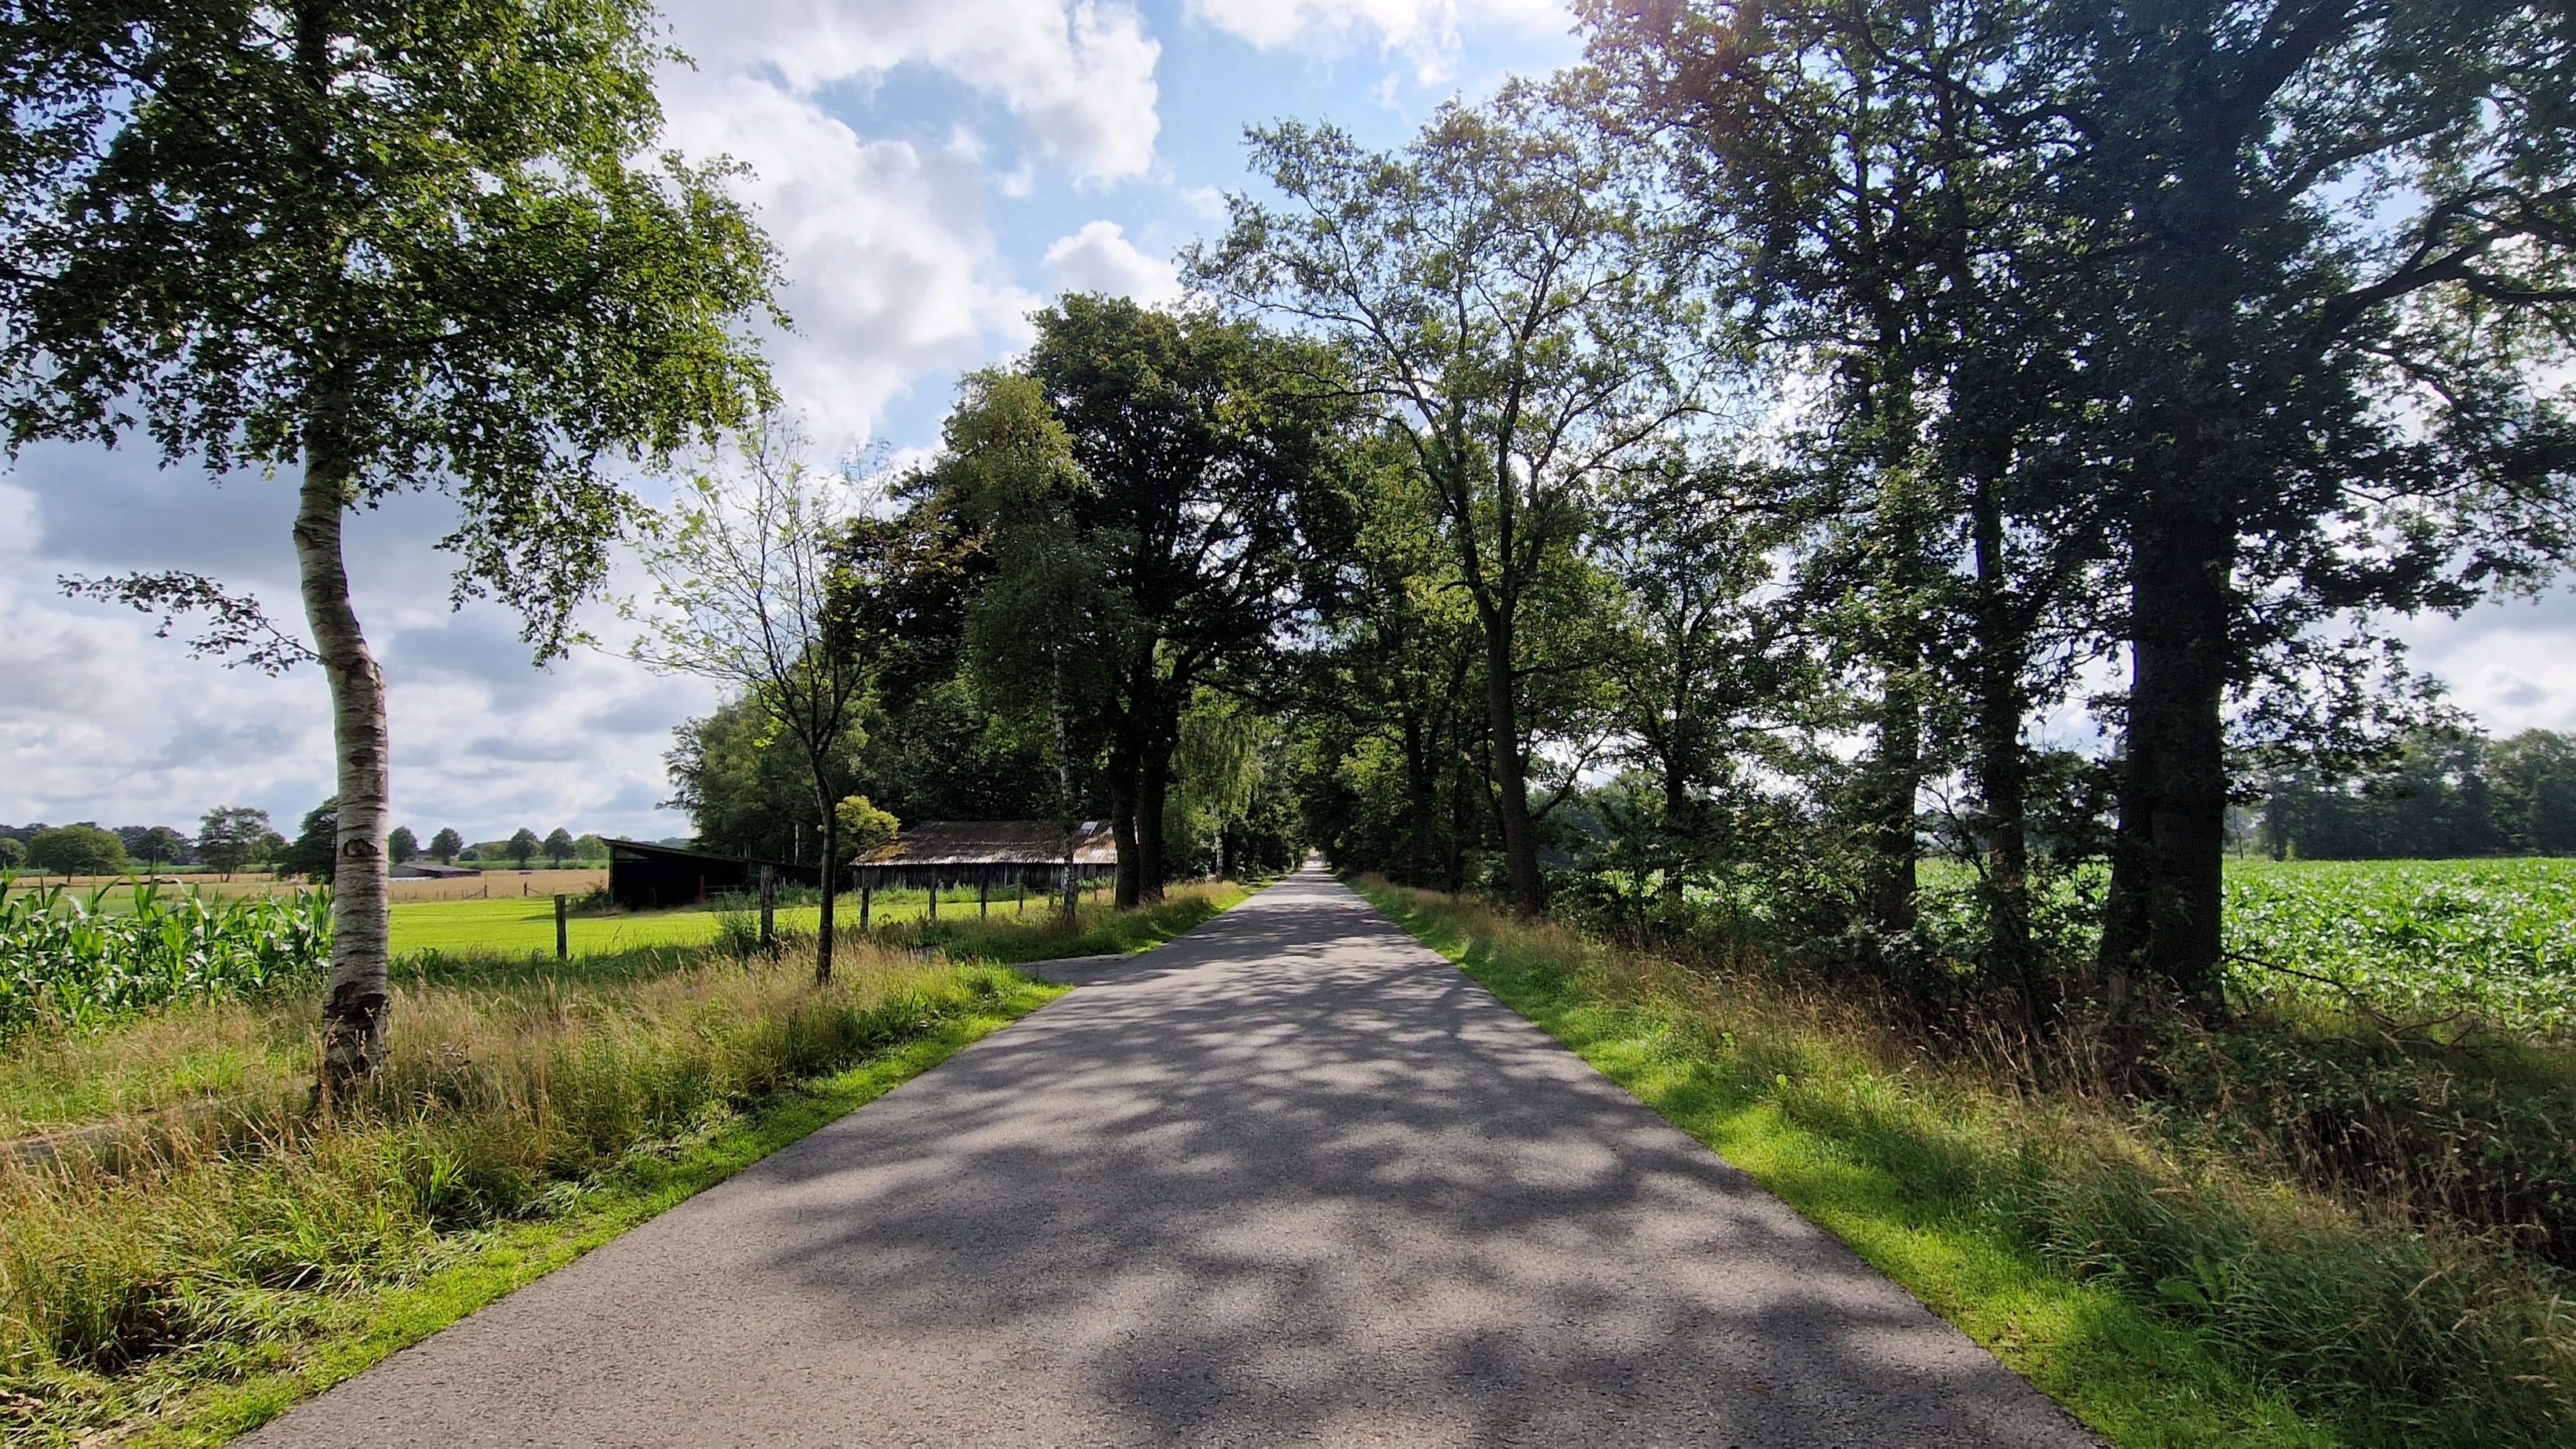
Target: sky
(932, 173)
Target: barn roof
(995, 842)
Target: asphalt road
(1290, 1179)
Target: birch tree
(746, 594)
(371, 249)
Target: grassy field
(2426, 943)
(2169, 1297)
(514, 925)
(540, 883)
(203, 1246)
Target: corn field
(69, 961)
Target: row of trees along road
(2184, 337)
(1787, 409)
(1827, 394)
(377, 249)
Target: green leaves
(412, 246)
(67, 961)
(2419, 943)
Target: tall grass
(201, 1246)
(67, 961)
(2391, 1330)
(1098, 928)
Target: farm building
(939, 855)
(643, 876)
(987, 853)
(430, 870)
(935, 855)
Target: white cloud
(101, 721)
(895, 279)
(2506, 661)
(1099, 258)
(1078, 74)
(893, 272)
(1426, 31)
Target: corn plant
(68, 961)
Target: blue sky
(932, 170)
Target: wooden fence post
(867, 897)
(563, 930)
(984, 894)
(768, 911)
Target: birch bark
(354, 1007)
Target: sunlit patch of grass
(1098, 929)
(207, 1246)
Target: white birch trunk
(353, 1011)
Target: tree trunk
(1511, 773)
(1459, 812)
(1153, 793)
(2000, 769)
(1887, 823)
(831, 877)
(1122, 827)
(2166, 886)
(1418, 784)
(360, 989)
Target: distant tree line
(232, 837)
(2444, 794)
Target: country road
(1291, 1179)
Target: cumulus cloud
(894, 279)
(2506, 662)
(1099, 258)
(1426, 31)
(1078, 74)
(893, 273)
(100, 720)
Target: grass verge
(2166, 1300)
(1097, 930)
(496, 1261)
(204, 1249)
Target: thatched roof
(995, 842)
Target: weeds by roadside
(195, 1248)
(1097, 930)
(2168, 1295)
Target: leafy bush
(67, 961)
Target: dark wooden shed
(643, 876)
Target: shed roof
(995, 842)
(429, 870)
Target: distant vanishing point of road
(1291, 1179)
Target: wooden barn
(643, 876)
(941, 855)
